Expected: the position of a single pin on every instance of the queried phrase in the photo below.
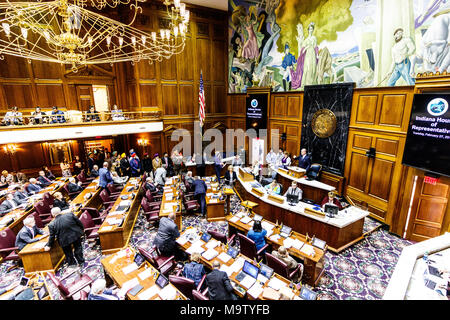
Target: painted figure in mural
(402, 50)
(311, 57)
(434, 52)
(287, 64)
(250, 50)
(325, 66)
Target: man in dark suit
(8, 204)
(94, 171)
(105, 177)
(166, 236)
(68, 229)
(43, 180)
(33, 186)
(21, 195)
(27, 233)
(149, 185)
(200, 188)
(230, 176)
(219, 285)
(304, 161)
(91, 161)
(72, 186)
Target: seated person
(219, 285)
(99, 291)
(194, 270)
(48, 173)
(273, 187)
(6, 178)
(116, 114)
(256, 170)
(18, 292)
(33, 186)
(294, 190)
(59, 201)
(38, 116)
(72, 186)
(257, 234)
(284, 256)
(94, 171)
(13, 117)
(27, 233)
(21, 177)
(57, 116)
(116, 178)
(230, 176)
(189, 179)
(331, 199)
(8, 204)
(65, 170)
(149, 185)
(92, 115)
(237, 161)
(21, 195)
(43, 180)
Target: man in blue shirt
(135, 165)
(57, 116)
(104, 176)
(194, 270)
(33, 187)
(287, 64)
(200, 188)
(218, 165)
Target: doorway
(101, 98)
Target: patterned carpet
(361, 272)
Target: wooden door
(85, 96)
(428, 210)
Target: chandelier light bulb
(133, 40)
(175, 31)
(108, 41)
(24, 32)
(143, 38)
(120, 41)
(168, 34)
(90, 40)
(154, 36)
(6, 28)
(186, 16)
(182, 9)
(162, 33)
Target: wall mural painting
(289, 44)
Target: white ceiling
(216, 4)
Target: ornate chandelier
(64, 31)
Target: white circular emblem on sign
(254, 103)
(437, 107)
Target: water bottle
(425, 257)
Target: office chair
(281, 267)
(41, 222)
(314, 171)
(69, 292)
(184, 285)
(197, 295)
(248, 247)
(222, 237)
(113, 190)
(162, 263)
(71, 194)
(95, 214)
(48, 199)
(150, 212)
(106, 199)
(90, 226)
(151, 197)
(189, 205)
(43, 211)
(8, 245)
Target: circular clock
(323, 123)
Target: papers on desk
(128, 285)
(308, 250)
(247, 282)
(234, 219)
(210, 194)
(266, 225)
(275, 283)
(130, 268)
(287, 292)
(113, 213)
(287, 243)
(182, 240)
(255, 290)
(246, 219)
(262, 278)
(210, 254)
(169, 196)
(145, 274)
(226, 269)
(224, 257)
(150, 292)
(238, 264)
(275, 237)
(125, 203)
(106, 228)
(212, 244)
(269, 232)
(213, 200)
(196, 247)
(39, 245)
(297, 244)
(118, 255)
(168, 293)
(114, 221)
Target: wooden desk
(36, 281)
(222, 248)
(313, 265)
(114, 273)
(173, 205)
(113, 237)
(215, 208)
(93, 202)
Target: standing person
(219, 285)
(237, 161)
(218, 165)
(68, 230)
(304, 161)
(27, 233)
(147, 163)
(167, 164)
(160, 176)
(65, 169)
(256, 170)
(200, 194)
(177, 160)
(257, 234)
(77, 165)
(166, 236)
(104, 176)
(125, 165)
(91, 161)
(135, 165)
(156, 161)
(200, 163)
(114, 157)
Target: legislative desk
(312, 189)
(171, 200)
(408, 281)
(36, 281)
(338, 232)
(190, 242)
(121, 270)
(18, 215)
(117, 227)
(215, 200)
(311, 256)
(209, 167)
(33, 255)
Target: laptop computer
(266, 271)
(257, 217)
(331, 210)
(248, 270)
(285, 231)
(42, 293)
(232, 252)
(319, 243)
(434, 271)
(206, 236)
(308, 294)
(292, 199)
(139, 259)
(161, 281)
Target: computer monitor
(206, 236)
(307, 294)
(285, 231)
(331, 209)
(319, 243)
(42, 293)
(250, 269)
(232, 252)
(266, 271)
(139, 259)
(162, 281)
(292, 198)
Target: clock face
(323, 123)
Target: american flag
(201, 101)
